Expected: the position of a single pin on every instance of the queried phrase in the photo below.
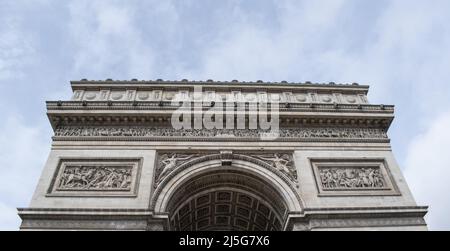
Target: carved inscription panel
(94, 177)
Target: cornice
(351, 212)
(83, 211)
(159, 113)
(165, 105)
(173, 84)
(416, 210)
(312, 218)
(163, 120)
(360, 213)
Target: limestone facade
(116, 163)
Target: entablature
(151, 104)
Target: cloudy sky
(399, 47)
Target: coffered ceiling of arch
(225, 210)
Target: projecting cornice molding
(132, 112)
(154, 105)
(218, 84)
(164, 120)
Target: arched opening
(226, 199)
(225, 192)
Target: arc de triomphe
(118, 163)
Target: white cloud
(107, 41)
(23, 150)
(404, 54)
(247, 51)
(9, 220)
(16, 48)
(401, 48)
(428, 171)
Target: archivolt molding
(279, 163)
(165, 180)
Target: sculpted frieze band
(330, 133)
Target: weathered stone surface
(292, 133)
(117, 164)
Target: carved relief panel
(96, 177)
(281, 163)
(210, 95)
(340, 177)
(168, 162)
(284, 133)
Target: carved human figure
(168, 132)
(73, 178)
(168, 163)
(281, 164)
(351, 178)
(95, 177)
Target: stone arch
(232, 175)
